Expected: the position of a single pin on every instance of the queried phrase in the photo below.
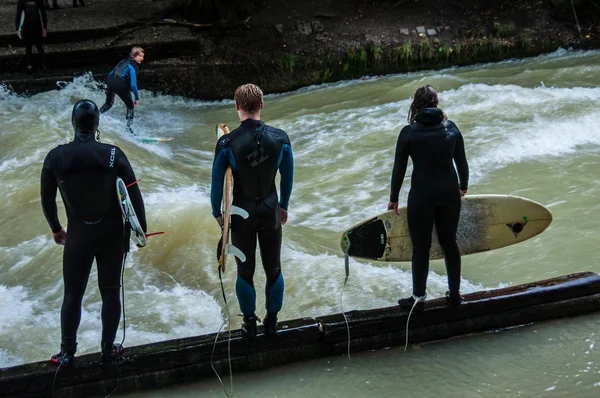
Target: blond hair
(249, 98)
(135, 51)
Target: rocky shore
(287, 44)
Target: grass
(287, 62)
(403, 52)
(376, 53)
(504, 30)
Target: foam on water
(343, 136)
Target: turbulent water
(530, 128)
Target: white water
(530, 129)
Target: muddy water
(530, 129)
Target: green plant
(457, 49)
(527, 38)
(287, 62)
(327, 73)
(377, 53)
(425, 50)
(504, 30)
(403, 51)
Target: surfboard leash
(347, 269)
(417, 300)
(228, 340)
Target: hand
(393, 206)
(219, 221)
(463, 192)
(283, 215)
(44, 32)
(19, 34)
(136, 102)
(60, 237)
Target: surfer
(433, 142)
(123, 79)
(31, 22)
(85, 172)
(255, 151)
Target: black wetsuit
(255, 151)
(31, 18)
(85, 171)
(121, 80)
(433, 144)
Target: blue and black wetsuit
(433, 144)
(121, 81)
(31, 18)
(255, 151)
(85, 172)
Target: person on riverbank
(31, 22)
(433, 143)
(255, 151)
(121, 80)
(85, 172)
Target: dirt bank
(288, 44)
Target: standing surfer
(123, 79)
(31, 22)
(433, 143)
(255, 152)
(85, 172)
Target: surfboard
(221, 130)
(137, 233)
(228, 210)
(487, 222)
(154, 139)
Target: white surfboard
(137, 233)
(487, 222)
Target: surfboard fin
(238, 211)
(231, 249)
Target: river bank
(288, 44)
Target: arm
(125, 171)
(43, 12)
(48, 188)
(460, 159)
(400, 164)
(19, 14)
(218, 177)
(133, 81)
(286, 169)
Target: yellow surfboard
(487, 222)
(228, 210)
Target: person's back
(256, 148)
(431, 142)
(32, 10)
(255, 152)
(121, 80)
(85, 172)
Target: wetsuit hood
(85, 119)
(430, 116)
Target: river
(530, 128)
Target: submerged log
(189, 359)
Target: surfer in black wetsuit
(85, 172)
(255, 151)
(31, 22)
(433, 142)
(123, 79)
